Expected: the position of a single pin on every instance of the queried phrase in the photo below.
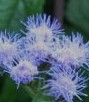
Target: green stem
(29, 91)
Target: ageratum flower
(8, 46)
(22, 70)
(65, 83)
(42, 27)
(36, 51)
(72, 50)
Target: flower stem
(29, 91)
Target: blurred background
(73, 15)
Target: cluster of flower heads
(45, 40)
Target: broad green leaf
(12, 11)
(77, 14)
(7, 8)
(33, 6)
(9, 91)
(40, 97)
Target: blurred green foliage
(12, 11)
(77, 16)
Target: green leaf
(12, 11)
(9, 91)
(77, 14)
(42, 98)
(33, 6)
(29, 91)
(34, 91)
(6, 12)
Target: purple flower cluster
(45, 41)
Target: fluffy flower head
(8, 46)
(36, 50)
(23, 72)
(66, 83)
(42, 27)
(73, 51)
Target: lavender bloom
(42, 27)
(37, 51)
(66, 83)
(22, 70)
(8, 47)
(40, 34)
(72, 50)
